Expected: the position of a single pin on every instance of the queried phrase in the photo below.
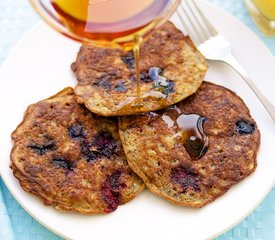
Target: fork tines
(194, 22)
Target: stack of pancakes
(95, 147)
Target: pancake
(71, 158)
(194, 151)
(171, 69)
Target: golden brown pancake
(171, 69)
(71, 158)
(194, 151)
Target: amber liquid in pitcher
(111, 22)
(108, 20)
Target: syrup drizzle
(136, 49)
(190, 129)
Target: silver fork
(214, 46)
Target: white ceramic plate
(39, 66)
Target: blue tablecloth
(16, 17)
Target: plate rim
(33, 29)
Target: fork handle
(232, 62)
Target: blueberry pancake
(71, 158)
(194, 151)
(171, 69)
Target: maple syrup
(190, 129)
(136, 49)
(109, 21)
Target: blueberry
(129, 60)
(104, 81)
(186, 178)
(244, 127)
(154, 73)
(120, 87)
(132, 77)
(76, 131)
(148, 76)
(103, 145)
(42, 149)
(64, 163)
(169, 88)
(166, 86)
(144, 77)
(89, 153)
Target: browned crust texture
(71, 158)
(156, 152)
(107, 81)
